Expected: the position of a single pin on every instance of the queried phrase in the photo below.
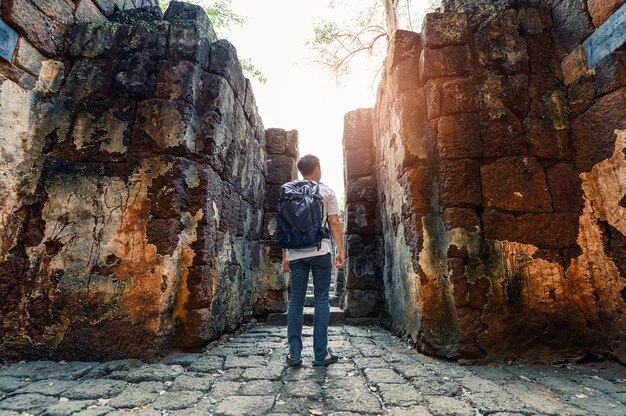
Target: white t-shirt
(331, 207)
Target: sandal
(292, 362)
(327, 361)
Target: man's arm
(335, 229)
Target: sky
(300, 94)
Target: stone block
(515, 184)
(601, 10)
(571, 24)
(445, 29)
(364, 272)
(565, 188)
(543, 60)
(361, 190)
(163, 124)
(549, 231)
(581, 95)
(357, 129)
(280, 169)
(17, 75)
(135, 76)
(188, 43)
(363, 303)
(501, 47)
(224, 61)
(610, 73)
(272, 195)
(450, 61)
(459, 183)
(51, 76)
(534, 20)
(417, 185)
(594, 137)
(178, 11)
(216, 123)
(91, 40)
(106, 6)
(459, 96)
(178, 81)
(363, 245)
(87, 11)
(546, 142)
(46, 33)
(358, 163)
(61, 10)
(361, 218)
(574, 65)
(461, 218)
(146, 37)
(131, 16)
(405, 75)
(404, 44)
(28, 57)
(276, 141)
(291, 145)
(503, 136)
(167, 193)
(458, 137)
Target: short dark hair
(307, 164)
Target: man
(318, 261)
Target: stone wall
(362, 296)
(133, 205)
(500, 170)
(282, 154)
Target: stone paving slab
(246, 375)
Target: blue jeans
(321, 267)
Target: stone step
(337, 317)
(310, 300)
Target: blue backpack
(299, 216)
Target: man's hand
(285, 264)
(339, 260)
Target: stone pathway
(246, 376)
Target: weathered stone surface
(403, 45)
(534, 20)
(280, 169)
(600, 10)
(27, 57)
(503, 136)
(565, 188)
(359, 163)
(516, 185)
(86, 11)
(357, 129)
(445, 62)
(458, 137)
(459, 183)
(571, 24)
(574, 65)
(610, 73)
(593, 131)
(444, 29)
(501, 47)
(555, 230)
(224, 62)
(50, 27)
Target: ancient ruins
(485, 192)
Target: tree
(337, 43)
(223, 17)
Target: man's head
(309, 167)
